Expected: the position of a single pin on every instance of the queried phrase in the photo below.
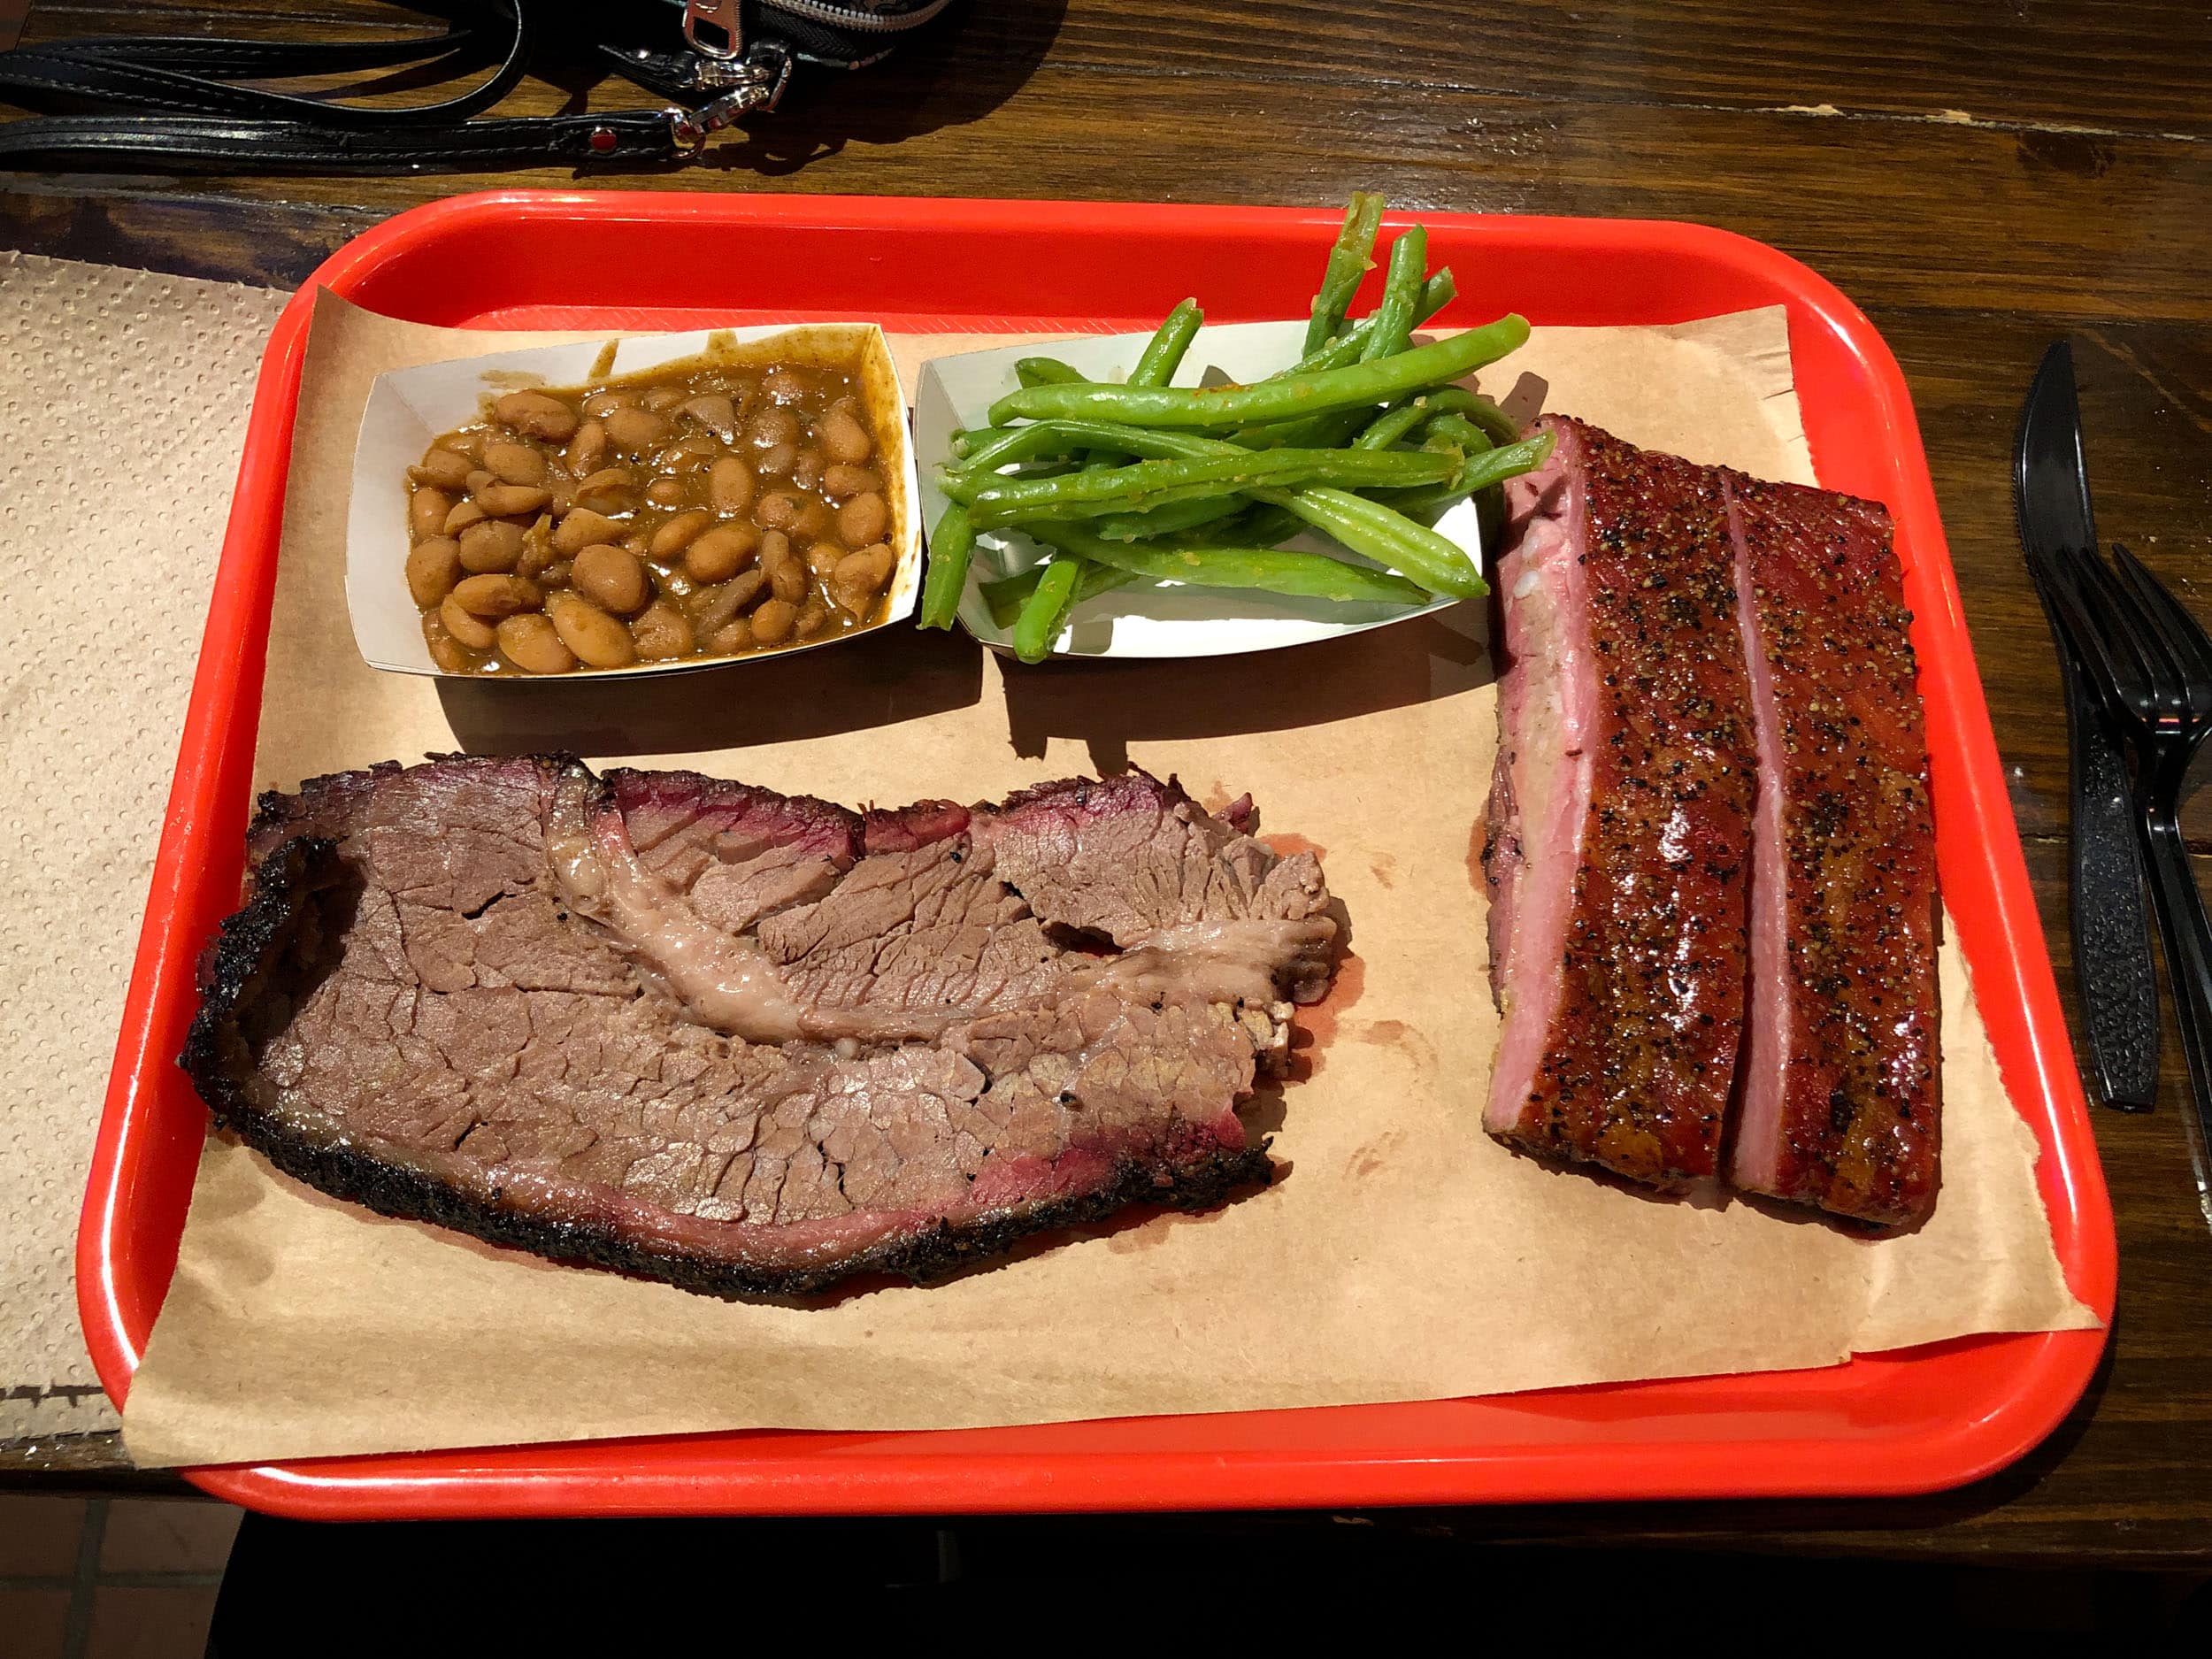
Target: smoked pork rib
(1620, 813)
(1842, 1081)
(745, 1042)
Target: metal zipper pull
(712, 28)
(759, 80)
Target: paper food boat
(955, 393)
(407, 408)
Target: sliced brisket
(1620, 815)
(744, 1042)
(1842, 1083)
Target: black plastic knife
(2109, 908)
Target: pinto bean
(426, 511)
(863, 520)
(448, 469)
(679, 532)
(714, 607)
(469, 630)
(584, 528)
(492, 545)
(661, 632)
(590, 632)
(844, 437)
(611, 577)
(635, 430)
(532, 643)
(535, 415)
(730, 485)
(721, 552)
(772, 623)
(588, 450)
(433, 567)
(496, 596)
(515, 463)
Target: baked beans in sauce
(699, 513)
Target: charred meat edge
(395, 1184)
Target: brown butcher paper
(1399, 1255)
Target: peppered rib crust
(250, 942)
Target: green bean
(1389, 538)
(1163, 355)
(1458, 400)
(1261, 525)
(1047, 372)
(993, 501)
(1347, 263)
(1381, 381)
(1338, 354)
(1393, 330)
(1437, 292)
(1478, 472)
(1156, 365)
(1329, 431)
(986, 449)
(1386, 536)
(1008, 595)
(1182, 515)
(1268, 570)
(1042, 612)
(1393, 424)
(951, 545)
(1062, 437)
(1457, 432)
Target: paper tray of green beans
(1143, 617)
(1200, 491)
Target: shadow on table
(957, 70)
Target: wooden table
(1982, 179)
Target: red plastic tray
(1912, 1421)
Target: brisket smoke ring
(1711, 853)
(748, 1043)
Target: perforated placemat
(123, 401)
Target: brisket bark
(745, 1042)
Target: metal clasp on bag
(756, 82)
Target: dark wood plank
(2133, 69)
(224, 238)
(2147, 425)
(1902, 213)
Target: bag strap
(183, 142)
(181, 108)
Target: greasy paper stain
(1396, 1034)
(1376, 1153)
(1478, 837)
(1316, 1027)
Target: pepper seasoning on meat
(1621, 818)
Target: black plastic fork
(2151, 663)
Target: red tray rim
(983, 1471)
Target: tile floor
(109, 1578)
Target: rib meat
(750, 1043)
(1841, 1087)
(1620, 815)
